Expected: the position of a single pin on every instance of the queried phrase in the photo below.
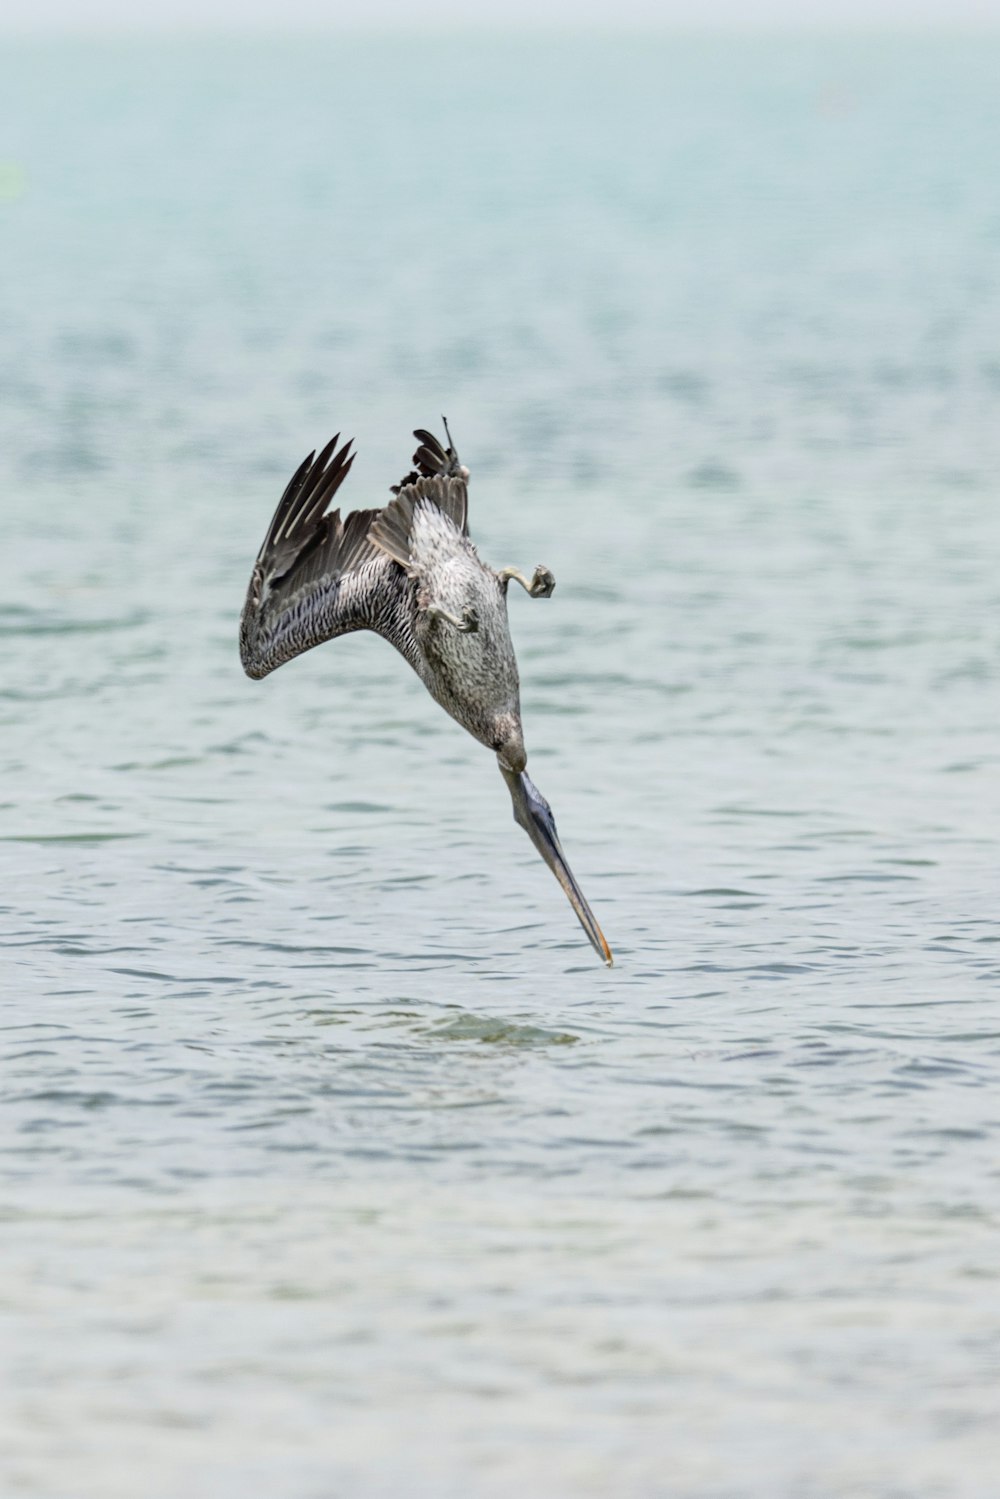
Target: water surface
(332, 1161)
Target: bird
(409, 571)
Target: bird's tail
(432, 460)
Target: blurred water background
(333, 1163)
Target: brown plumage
(409, 572)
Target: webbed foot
(467, 624)
(541, 585)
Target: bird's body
(409, 572)
(471, 673)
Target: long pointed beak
(534, 814)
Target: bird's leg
(541, 585)
(468, 624)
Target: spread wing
(316, 576)
(393, 526)
(439, 478)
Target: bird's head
(508, 741)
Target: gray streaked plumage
(409, 572)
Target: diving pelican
(409, 572)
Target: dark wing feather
(434, 461)
(315, 576)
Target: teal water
(331, 1161)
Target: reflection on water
(332, 1160)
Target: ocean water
(332, 1163)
